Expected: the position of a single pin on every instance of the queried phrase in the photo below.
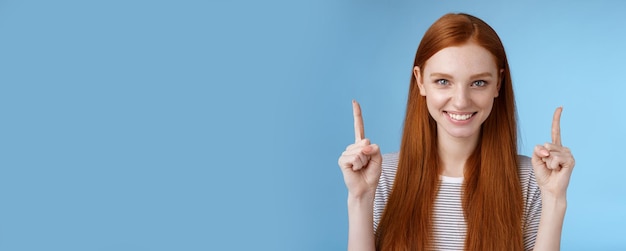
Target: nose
(461, 97)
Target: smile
(460, 117)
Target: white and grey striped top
(448, 221)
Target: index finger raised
(556, 126)
(359, 131)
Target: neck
(454, 153)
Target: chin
(461, 134)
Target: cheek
(435, 101)
(484, 101)
(435, 104)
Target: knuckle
(343, 164)
(356, 165)
(355, 159)
(375, 147)
(344, 154)
(350, 147)
(342, 160)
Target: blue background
(194, 125)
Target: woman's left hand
(553, 163)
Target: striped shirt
(449, 227)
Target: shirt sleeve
(385, 184)
(532, 203)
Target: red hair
(492, 196)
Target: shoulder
(389, 168)
(525, 169)
(530, 190)
(523, 160)
(390, 160)
(524, 163)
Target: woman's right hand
(361, 162)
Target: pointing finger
(556, 126)
(359, 132)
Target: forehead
(468, 58)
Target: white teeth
(460, 116)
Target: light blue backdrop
(188, 125)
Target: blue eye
(479, 83)
(441, 82)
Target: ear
(418, 79)
(500, 76)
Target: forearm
(551, 223)
(360, 221)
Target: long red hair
(492, 196)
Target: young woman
(457, 182)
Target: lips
(460, 116)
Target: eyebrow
(448, 76)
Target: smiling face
(460, 84)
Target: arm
(360, 164)
(553, 164)
(551, 223)
(360, 218)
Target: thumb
(539, 153)
(374, 152)
(539, 166)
